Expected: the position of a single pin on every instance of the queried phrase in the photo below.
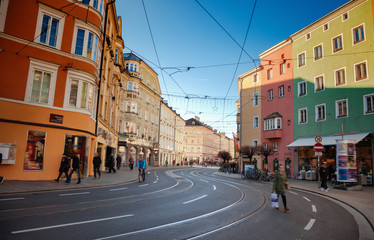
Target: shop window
(34, 157)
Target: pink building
(277, 104)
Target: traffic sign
(318, 147)
(318, 153)
(318, 139)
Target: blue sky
(186, 36)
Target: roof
(273, 115)
(193, 122)
(131, 56)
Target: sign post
(318, 148)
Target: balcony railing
(276, 133)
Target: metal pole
(318, 173)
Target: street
(188, 203)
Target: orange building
(50, 54)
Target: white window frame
(353, 35)
(3, 13)
(256, 99)
(333, 44)
(283, 68)
(318, 119)
(272, 124)
(281, 91)
(367, 71)
(255, 143)
(300, 112)
(51, 68)
(314, 52)
(298, 59)
(337, 102)
(256, 122)
(323, 83)
(87, 29)
(44, 10)
(308, 36)
(275, 146)
(345, 19)
(270, 73)
(345, 77)
(365, 103)
(325, 27)
(298, 88)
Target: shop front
(78, 146)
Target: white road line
(204, 180)
(118, 189)
(293, 192)
(307, 199)
(70, 224)
(70, 194)
(143, 185)
(214, 187)
(314, 209)
(155, 182)
(11, 199)
(193, 200)
(310, 224)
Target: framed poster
(34, 154)
(346, 160)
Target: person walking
(111, 164)
(75, 168)
(64, 167)
(1, 160)
(96, 164)
(119, 161)
(279, 186)
(131, 164)
(323, 173)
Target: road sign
(318, 147)
(318, 153)
(318, 139)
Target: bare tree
(266, 151)
(225, 156)
(249, 151)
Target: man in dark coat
(75, 168)
(111, 164)
(323, 172)
(64, 167)
(96, 164)
(119, 161)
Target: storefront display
(78, 146)
(346, 160)
(34, 155)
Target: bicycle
(141, 175)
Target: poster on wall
(34, 155)
(8, 151)
(346, 160)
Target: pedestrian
(64, 167)
(75, 168)
(111, 164)
(166, 163)
(131, 164)
(173, 163)
(96, 164)
(1, 160)
(279, 186)
(323, 173)
(119, 161)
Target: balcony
(276, 133)
(134, 74)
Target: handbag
(274, 200)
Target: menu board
(346, 160)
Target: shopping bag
(274, 200)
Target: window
(358, 34)
(254, 143)
(319, 84)
(272, 124)
(116, 56)
(326, 27)
(360, 71)
(369, 104)
(130, 127)
(255, 78)
(132, 87)
(307, 36)
(303, 116)
(275, 146)
(3, 12)
(270, 94)
(337, 44)
(318, 52)
(281, 91)
(97, 4)
(86, 42)
(283, 68)
(255, 99)
(270, 73)
(49, 27)
(41, 82)
(342, 108)
(345, 16)
(131, 107)
(302, 89)
(320, 112)
(255, 122)
(301, 60)
(340, 77)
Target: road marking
(70, 224)
(310, 224)
(214, 187)
(155, 182)
(118, 189)
(314, 209)
(293, 192)
(204, 180)
(307, 199)
(70, 194)
(143, 185)
(193, 200)
(11, 199)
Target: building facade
(50, 53)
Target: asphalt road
(173, 204)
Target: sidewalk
(362, 201)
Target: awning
(327, 140)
